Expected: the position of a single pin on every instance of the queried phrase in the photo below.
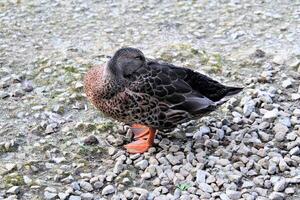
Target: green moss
(185, 52)
(105, 126)
(86, 127)
(124, 174)
(9, 149)
(13, 179)
(204, 58)
(70, 69)
(214, 64)
(183, 186)
(91, 150)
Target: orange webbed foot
(144, 137)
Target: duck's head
(126, 61)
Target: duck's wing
(172, 87)
(208, 87)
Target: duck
(151, 96)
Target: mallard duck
(149, 95)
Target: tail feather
(233, 90)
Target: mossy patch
(70, 69)
(85, 127)
(125, 174)
(190, 56)
(13, 179)
(105, 126)
(91, 150)
(183, 186)
(10, 148)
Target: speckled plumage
(133, 89)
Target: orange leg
(144, 137)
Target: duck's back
(180, 90)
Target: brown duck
(150, 95)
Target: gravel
(280, 131)
(13, 190)
(54, 144)
(50, 195)
(108, 190)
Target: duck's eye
(138, 57)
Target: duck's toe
(139, 146)
(140, 131)
(144, 136)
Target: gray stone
(223, 162)
(146, 175)
(280, 131)
(151, 169)
(289, 190)
(128, 194)
(277, 196)
(210, 179)
(109, 189)
(173, 159)
(272, 168)
(118, 167)
(283, 165)
(50, 128)
(295, 151)
(291, 136)
(295, 96)
(287, 83)
(264, 125)
(50, 189)
(294, 180)
(86, 175)
(10, 167)
(296, 112)
(261, 191)
(75, 186)
(174, 148)
(87, 196)
(3, 95)
(248, 184)
(139, 191)
(205, 187)
(58, 109)
(279, 59)
(62, 195)
(27, 86)
(204, 130)
(112, 151)
(58, 159)
(49, 195)
(38, 107)
(27, 180)
(233, 195)
(200, 176)
(86, 186)
(74, 197)
(91, 140)
(264, 136)
(248, 108)
(142, 164)
(223, 196)
(271, 114)
(280, 185)
(286, 121)
(143, 197)
(13, 190)
(98, 184)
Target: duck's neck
(112, 83)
